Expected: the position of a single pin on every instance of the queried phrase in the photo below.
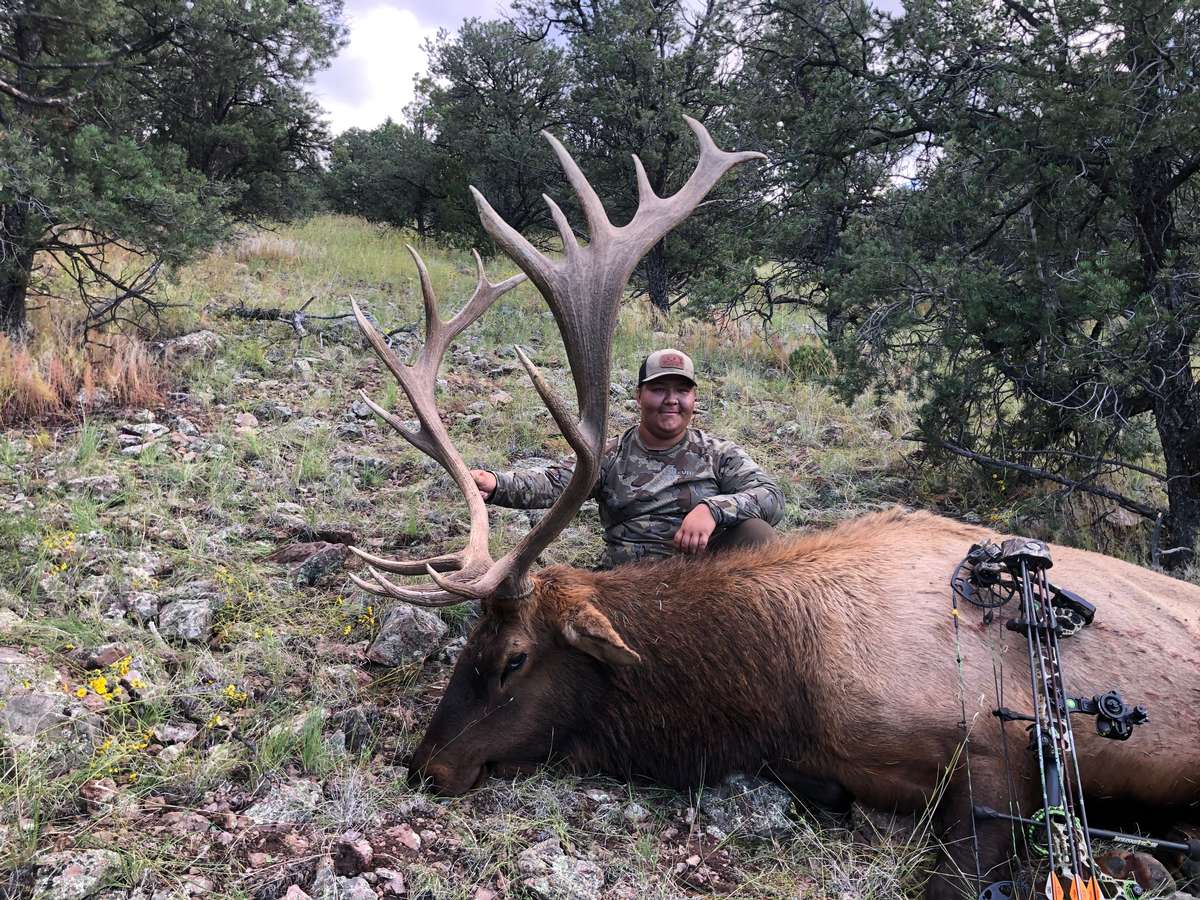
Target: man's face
(666, 405)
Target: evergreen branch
(1141, 509)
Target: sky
(372, 78)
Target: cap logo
(671, 361)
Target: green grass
(215, 511)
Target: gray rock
(360, 410)
(145, 431)
(291, 802)
(187, 611)
(102, 487)
(355, 889)
(349, 431)
(359, 725)
(550, 873)
(363, 462)
(407, 636)
(34, 712)
(74, 874)
(274, 412)
(749, 806)
(197, 345)
(323, 562)
(186, 426)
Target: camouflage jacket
(644, 494)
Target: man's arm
(530, 488)
(747, 492)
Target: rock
(141, 606)
(176, 734)
(295, 892)
(34, 712)
(291, 802)
(197, 345)
(352, 854)
(393, 882)
(187, 611)
(102, 487)
(749, 806)
(98, 793)
(98, 657)
(355, 889)
(359, 724)
(349, 431)
(302, 367)
(275, 412)
(73, 874)
(325, 882)
(142, 432)
(634, 813)
(185, 426)
(550, 873)
(319, 564)
(245, 420)
(363, 462)
(408, 635)
(360, 410)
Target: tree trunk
(656, 278)
(1177, 416)
(16, 265)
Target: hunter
(664, 487)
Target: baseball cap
(667, 362)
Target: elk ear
(588, 629)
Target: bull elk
(824, 659)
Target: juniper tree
(144, 126)
(1030, 272)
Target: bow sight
(989, 577)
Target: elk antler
(418, 382)
(583, 290)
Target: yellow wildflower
(80, 692)
(99, 685)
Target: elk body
(827, 660)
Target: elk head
(541, 638)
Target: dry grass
(53, 378)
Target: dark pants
(747, 533)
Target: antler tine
(429, 598)
(655, 215)
(447, 562)
(419, 383)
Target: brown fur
(823, 656)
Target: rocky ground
(196, 701)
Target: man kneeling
(664, 487)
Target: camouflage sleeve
(747, 492)
(531, 488)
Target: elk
(826, 660)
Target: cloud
(372, 78)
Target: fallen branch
(1141, 509)
(295, 318)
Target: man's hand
(697, 527)
(485, 481)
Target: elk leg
(973, 854)
(826, 799)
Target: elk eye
(514, 662)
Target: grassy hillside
(118, 527)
